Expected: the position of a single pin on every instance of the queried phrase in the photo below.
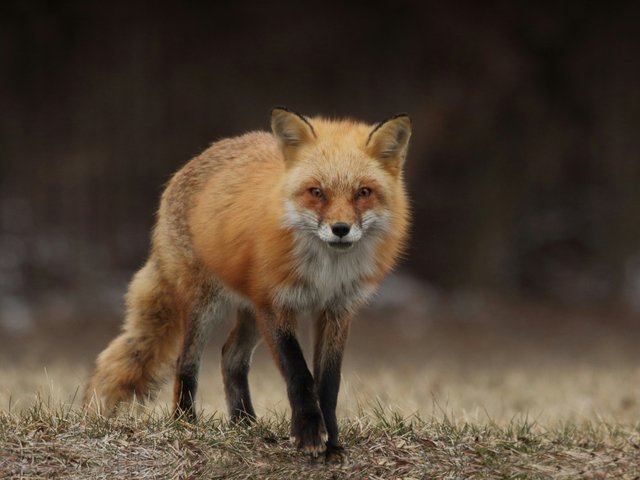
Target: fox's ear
(290, 128)
(388, 141)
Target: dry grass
(435, 422)
(46, 442)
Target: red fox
(306, 219)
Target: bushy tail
(136, 362)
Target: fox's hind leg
(135, 362)
(236, 360)
(213, 308)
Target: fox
(304, 220)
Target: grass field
(526, 398)
(57, 443)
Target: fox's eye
(316, 192)
(364, 192)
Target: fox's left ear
(389, 140)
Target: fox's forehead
(337, 159)
(339, 170)
(343, 168)
(340, 132)
(339, 147)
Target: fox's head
(343, 181)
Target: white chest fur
(329, 280)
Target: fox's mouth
(341, 245)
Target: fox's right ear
(290, 128)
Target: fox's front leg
(308, 431)
(330, 338)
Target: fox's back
(214, 179)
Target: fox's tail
(136, 362)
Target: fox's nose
(340, 229)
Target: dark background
(524, 166)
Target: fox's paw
(308, 432)
(335, 454)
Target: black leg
(308, 431)
(307, 425)
(331, 337)
(197, 330)
(185, 389)
(236, 360)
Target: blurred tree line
(524, 165)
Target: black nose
(340, 229)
